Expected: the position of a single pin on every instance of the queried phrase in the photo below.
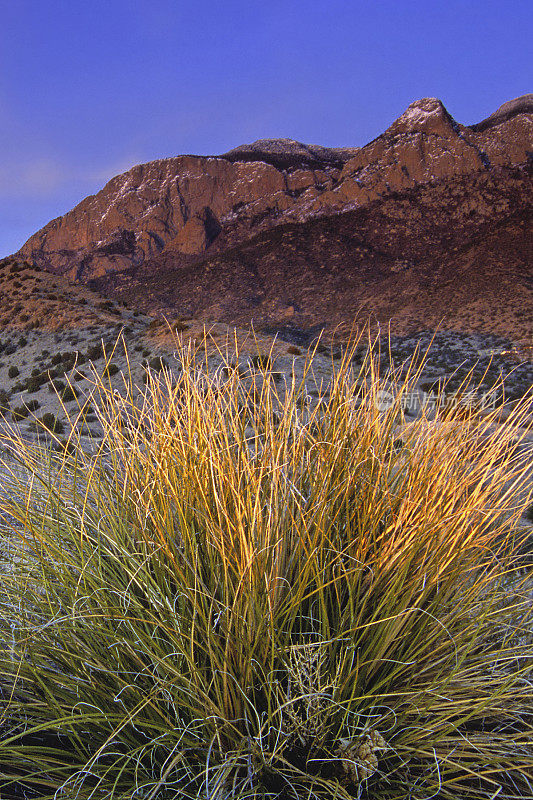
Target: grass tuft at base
(239, 595)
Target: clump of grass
(275, 602)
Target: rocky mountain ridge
(163, 230)
(461, 246)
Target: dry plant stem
(237, 594)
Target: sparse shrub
(22, 341)
(157, 363)
(13, 371)
(65, 446)
(34, 382)
(432, 387)
(110, 370)
(261, 361)
(52, 423)
(294, 351)
(57, 385)
(61, 369)
(69, 393)
(232, 369)
(20, 413)
(32, 405)
(95, 352)
(4, 402)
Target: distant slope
(459, 249)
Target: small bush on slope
(266, 602)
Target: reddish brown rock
(181, 216)
(426, 144)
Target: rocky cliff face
(187, 217)
(458, 249)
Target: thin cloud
(104, 174)
(41, 178)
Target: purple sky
(90, 87)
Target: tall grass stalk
(238, 594)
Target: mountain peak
(520, 105)
(284, 153)
(425, 114)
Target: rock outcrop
(458, 249)
(187, 218)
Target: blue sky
(89, 88)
